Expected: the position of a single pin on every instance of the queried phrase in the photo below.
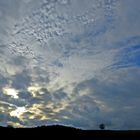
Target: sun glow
(34, 89)
(18, 112)
(11, 91)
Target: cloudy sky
(70, 62)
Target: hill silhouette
(58, 130)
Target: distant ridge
(61, 130)
(65, 132)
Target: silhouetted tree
(102, 126)
(9, 126)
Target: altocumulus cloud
(72, 62)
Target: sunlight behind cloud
(18, 112)
(34, 89)
(11, 91)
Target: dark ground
(68, 132)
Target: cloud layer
(70, 62)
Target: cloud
(113, 101)
(70, 62)
(21, 80)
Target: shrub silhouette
(10, 126)
(102, 126)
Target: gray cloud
(21, 80)
(3, 80)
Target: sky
(70, 62)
